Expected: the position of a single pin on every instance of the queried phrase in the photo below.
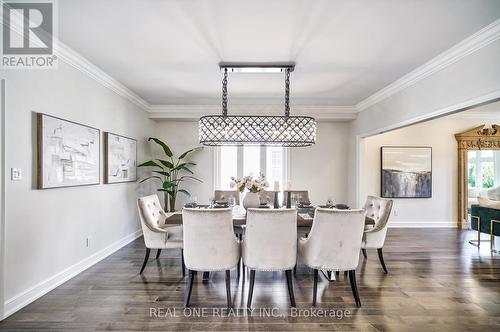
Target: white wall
(46, 229)
(441, 209)
(473, 79)
(322, 168)
(182, 136)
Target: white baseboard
(23, 299)
(422, 224)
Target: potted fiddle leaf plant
(171, 172)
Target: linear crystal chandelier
(286, 130)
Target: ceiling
(168, 52)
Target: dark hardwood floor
(436, 282)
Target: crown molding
(485, 115)
(190, 112)
(471, 44)
(77, 61)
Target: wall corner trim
(469, 45)
(21, 300)
(74, 59)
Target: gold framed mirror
(476, 139)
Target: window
(251, 161)
(272, 161)
(274, 166)
(228, 165)
(483, 169)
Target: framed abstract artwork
(68, 153)
(120, 158)
(406, 172)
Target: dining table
(305, 217)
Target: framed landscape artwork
(406, 172)
(120, 158)
(68, 153)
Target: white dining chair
(270, 244)
(157, 235)
(333, 244)
(267, 197)
(296, 196)
(378, 209)
(209, 245)
(225, 195)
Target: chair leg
(364, 252)
(381, 258)
(315, 287)
(295, 270)
(354, 287)
(238, 267)
(158, 252)
(337, 275)
(189, 288)
(183, 265)
(145, 260)
(290, 286)
(250, 289)
(228, 288)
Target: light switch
(16, 174)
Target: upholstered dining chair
(379, 209)
(209, 245)
(224, 195)
(270, 244)
(157, 235)
(267, 196)
(298, 195)
(333, 244)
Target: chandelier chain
(287, 92)
(224, 93)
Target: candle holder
(288, 199)
(276, 200)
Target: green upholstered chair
(485, 220)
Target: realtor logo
(28, 35)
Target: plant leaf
(186, 169)
(187, 193)
(189, 151)
(150, 177)
(165, 147)
(189, 177)
(179, 166)
(149, 163)
(168, 184)
(183, 167)
(166, 163)
(166, 191)
(162, 173)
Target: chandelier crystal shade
(286, 130)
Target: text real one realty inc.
(259, 312)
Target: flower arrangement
(254, 185)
